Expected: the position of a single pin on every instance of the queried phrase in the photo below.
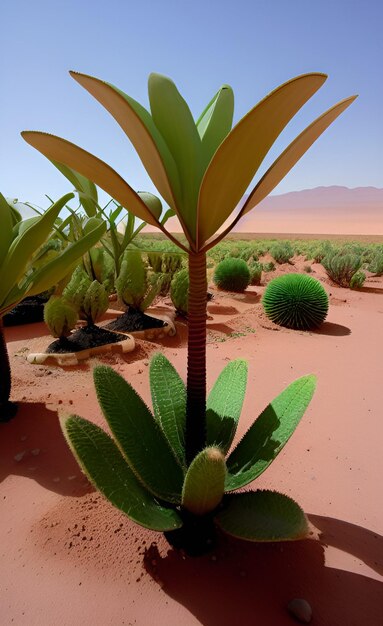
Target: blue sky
(254, 45)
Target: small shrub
(179, 289)
(269, 267)
(135, 287)
(342, 267)
(307, 269)
(232, 275)
(357, 280)
(255, 272)
(296, 301)
(282, 252)
(60, 316)
(319, 252)
(376, 264)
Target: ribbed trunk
(7, 408)
(196, 365)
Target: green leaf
(224, 405)
(216, 120)
(6, 223)
(108, 471)
(138, 125)
(262, 516)
(138, 435)
(56, 269)
(58, 149)
(204, 481)
(289, 157)
(152, 202)
(25, 244)
(169, 402)
(269, 433)
(175, 122)
(87, 190)
(239, 156)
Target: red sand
(69, 558)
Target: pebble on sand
(301, 610)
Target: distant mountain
(327, 210)
(323, 210)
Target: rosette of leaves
(179, 291)
(142, 469)
(232, 274)
(88, 297)
(60, 316)
(136, 288)
(341, 267)
(296, 301)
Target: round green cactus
(60, 316)
(232, 275)
(179, 289)
(295, 301)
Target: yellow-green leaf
(138, 125)
(242, 152)
(175, 122)
(63, 151)
(215, 121)
(293, 153)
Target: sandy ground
(68, 558)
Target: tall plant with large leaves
(202, 169)
(172, 469)
(19, 242)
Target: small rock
(35, 451)
(19, 456)
(301, 610)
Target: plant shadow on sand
(249, 583)
(32, 445)
(332, 329)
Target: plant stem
(7, 409)
(196, 363)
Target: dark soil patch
(83, 339)
(28, 311)
(134, 320)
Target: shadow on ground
(244, 583)
(32, 445)
(335, 330)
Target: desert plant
(255, 269)
(19, 242)
(357, 280)
(269, 266)
(144, 472)
(232, 275)
(307, 269)
(341, 267)
(376, 264)
(135, 287)
(60, 316)
(296, 301)
(89, 297)
(179, 289)
(282, 251)
(202, 169)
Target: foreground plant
(20, 240)
(202, 170)
(143, 469)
